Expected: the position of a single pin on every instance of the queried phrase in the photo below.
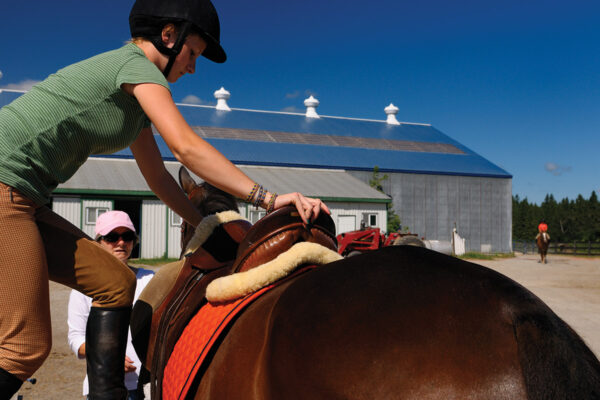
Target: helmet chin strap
(174, 51)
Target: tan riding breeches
(38, 245)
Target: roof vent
(222, 96)
(311, 107)
(391, 112)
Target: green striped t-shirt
(49, 132)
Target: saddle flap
(278, 232)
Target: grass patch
(154, 262)
(473, 255)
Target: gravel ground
(569, 285)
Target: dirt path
(569, 285)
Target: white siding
(69, 208)
(160, 237)
(340, 212)
(153, 240)
(174, 235)
(91, 209)
(243, 209)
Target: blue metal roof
(322, 156)
(8, 96)
(257, 152)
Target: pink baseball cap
(112, 219)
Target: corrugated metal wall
(430, 205)
(174, 235)
(153, 240)
(69, 208)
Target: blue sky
(516, 81)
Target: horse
(399, 322)
(543, 241)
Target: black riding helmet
(148, 17)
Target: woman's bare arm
(149, 160)
(200, 156)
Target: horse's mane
(212, 200)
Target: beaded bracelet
(257, 196)
(262, 193)
(252, 193)
(271, 205)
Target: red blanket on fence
(198, 338)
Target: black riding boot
(105, 344)
(9, 384)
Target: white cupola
(222, 96)
(391, 112)
(311, 107)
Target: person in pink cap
(114, 232)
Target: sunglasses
(113, 237)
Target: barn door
(346, 223)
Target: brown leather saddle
(234, 246)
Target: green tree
(594, 210)
(377, 182)
(549, 211)
(568, 220)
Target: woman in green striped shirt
(98, 106)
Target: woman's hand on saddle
(129, 367)
(308, 207)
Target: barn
(434, 184)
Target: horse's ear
(186, 181)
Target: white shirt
(79, 309)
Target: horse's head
(207, 198)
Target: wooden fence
(582, 248)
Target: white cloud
(27, 84)
(556, 169)
(191, 99)
(292, 109)
(296, 94)
(0, 74)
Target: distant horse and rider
(399, 322)
(542, 241)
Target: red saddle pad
(199, 336)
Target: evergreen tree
(594, 210)
(376, 182)
(568, 220)
(565, 221)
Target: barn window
(174, 219)
(92, 214)
(370, 219)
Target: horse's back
(400, 322)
